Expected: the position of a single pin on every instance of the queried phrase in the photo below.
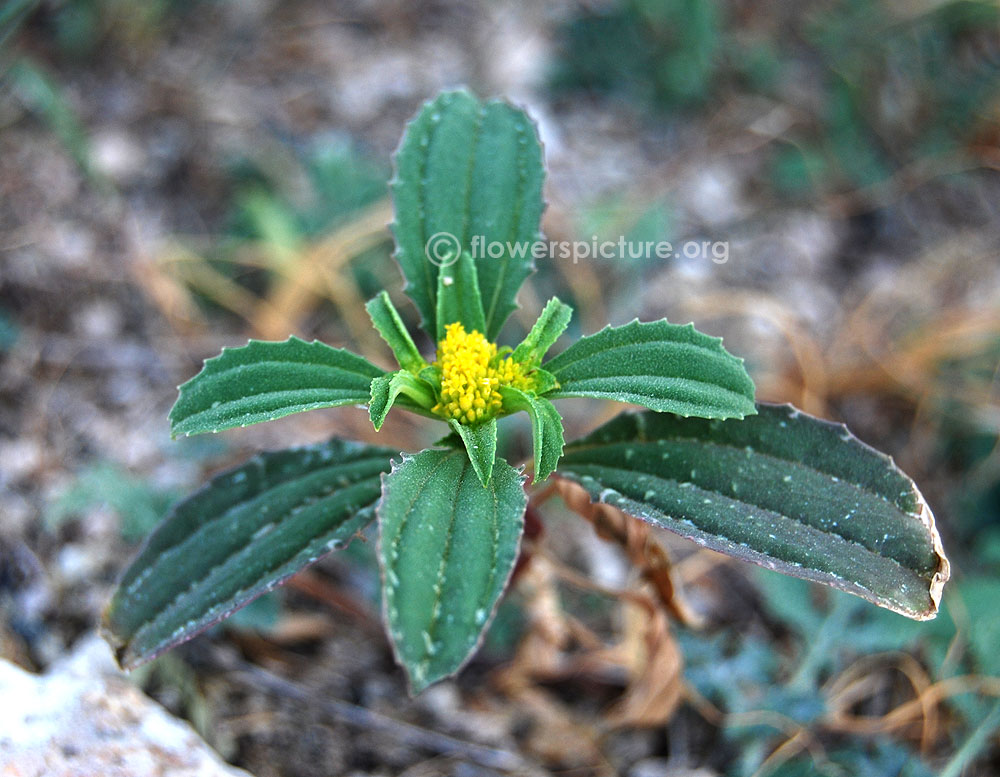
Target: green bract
(763, 483)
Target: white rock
(83, 718)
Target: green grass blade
(262, 381)
(242, 534)
(12, 15)
(43, 95)
(781, 489)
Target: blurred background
(179, 175)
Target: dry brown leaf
(637, 540)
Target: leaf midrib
(276, 362)
(712, 444)
(343, 396)
(515, 226)
(717, 352)
(694, 382)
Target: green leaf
(386, 320)
(545, 381)
(481, 445)
(546, 428)
(386, 389)
(447, 547)
(781, 489)
(551, 323)
(242, 534)
(468, 174)
(458, 297)
(431, 375)
(262, 381)
(662, 366)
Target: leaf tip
(943, 572)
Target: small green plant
(764, 483)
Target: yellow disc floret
(472, 373)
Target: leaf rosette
(762, 483)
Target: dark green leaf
(458, 297)
(662, 366)
(242, 534)
(546, 428)
(481, 445)
(551, 323)
(263, 381)
(468, 174)
(447, 547)
(781, 489)
(386, 320)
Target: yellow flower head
(472, 373)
